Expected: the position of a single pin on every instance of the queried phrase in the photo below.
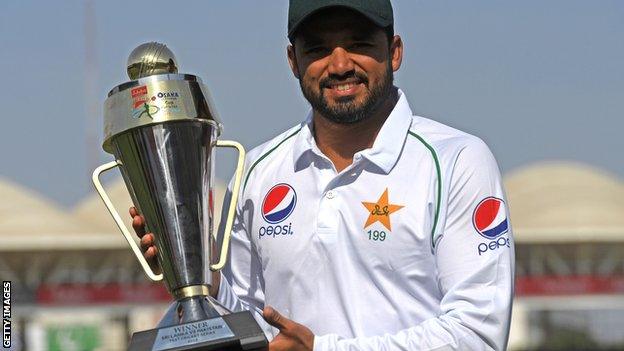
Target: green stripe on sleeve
(439, 190)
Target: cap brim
(375, 19)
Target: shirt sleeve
(242, 284)
(475, 268)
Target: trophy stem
(192, 309)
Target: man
(366, 227)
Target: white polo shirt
(409, 248)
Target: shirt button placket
(327, 221)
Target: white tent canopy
(28, 221)
(565, 202)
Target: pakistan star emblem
(380, 211)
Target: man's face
(344, 64)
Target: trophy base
(230, 332)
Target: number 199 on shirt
(376, 235)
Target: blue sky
(537, 80)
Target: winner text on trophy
(162, 129)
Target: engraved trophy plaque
(162, 129)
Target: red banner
(76, 294)
(569, 285)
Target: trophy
(162, 129)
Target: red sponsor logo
(138, 91)
(139, 96)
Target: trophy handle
(234, 200)
(111, 208)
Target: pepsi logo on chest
(490, 218)
(279, 203)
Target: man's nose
(340, 62)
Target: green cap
(378, 11)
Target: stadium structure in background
(569, 232)
(76, 286)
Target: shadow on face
(340, 27)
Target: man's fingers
(148, 248)
(151, 252)
(150, 256)
(274, 318)
(146, 241)
(138, 223)
(278, 343)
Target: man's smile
(343, 89)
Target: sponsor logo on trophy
(162, 128)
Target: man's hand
(147, 239)
(148, 246)
(292, 336)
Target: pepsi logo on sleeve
(279, 203)
(490, 218)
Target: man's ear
(396, 53)
(292, 61)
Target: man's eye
(315, 50)
(361, 45)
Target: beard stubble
(349, 111)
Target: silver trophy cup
(162, 129)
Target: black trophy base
(230, 332)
